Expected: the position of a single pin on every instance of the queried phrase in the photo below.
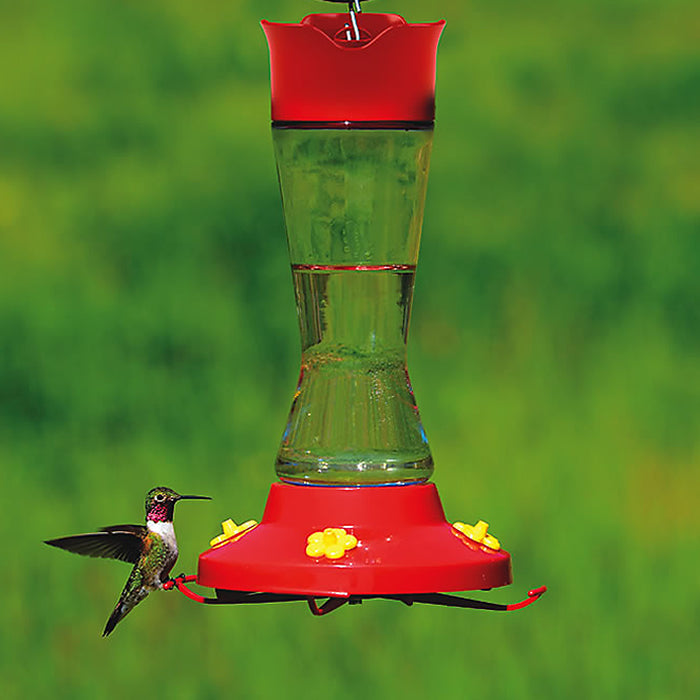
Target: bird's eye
(160, 498)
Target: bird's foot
(174, 582)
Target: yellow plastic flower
(478, 533)
(231, 530)
(331, 543)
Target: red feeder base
(404, 546)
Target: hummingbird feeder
(353, 515)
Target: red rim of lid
(317, 75)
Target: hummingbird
(151, 548)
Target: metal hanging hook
(352, 30)
(354, 8)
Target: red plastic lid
(317, 74)
(404, 545)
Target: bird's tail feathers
(117, 614)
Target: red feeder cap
(400, 544)
(318, 75)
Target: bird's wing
(123, 542)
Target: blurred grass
(148, 335)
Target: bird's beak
(193, 498)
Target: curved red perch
(333, 603)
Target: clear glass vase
(353, 203)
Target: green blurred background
(148, 336)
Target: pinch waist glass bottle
(353, 204)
